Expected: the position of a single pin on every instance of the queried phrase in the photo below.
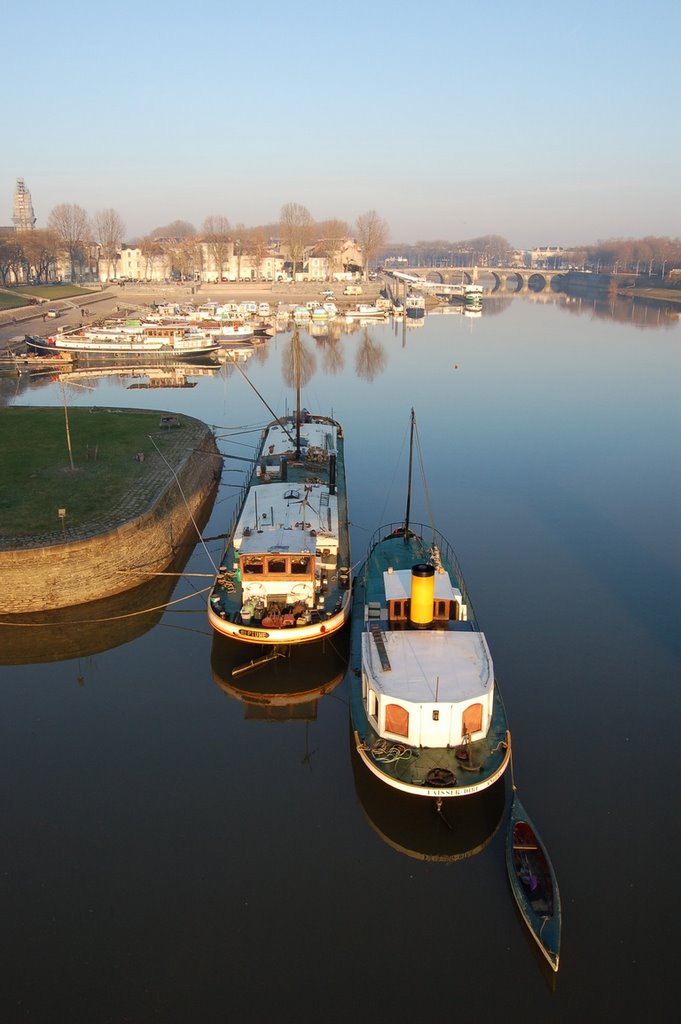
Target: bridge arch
(510, 280)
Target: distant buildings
(229, 259)
(548, 257)
(207, 259)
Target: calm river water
(173, 852)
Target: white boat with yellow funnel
(427, 714)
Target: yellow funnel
(422, 595)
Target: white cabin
(426, 687)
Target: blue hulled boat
(533, 882)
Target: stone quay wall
(57, 575)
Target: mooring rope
(195, 524)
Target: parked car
(52, 313)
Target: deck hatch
(377, 634)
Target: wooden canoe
(533, 882)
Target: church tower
(24, 218)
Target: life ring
(254, 589)
(440, 777)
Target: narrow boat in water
(427, 714)
(28, 361)
(301, 315)
(533, 882)
(284, 577)
(415, 306)
(234, 330)
(473, 297)
(366, 310)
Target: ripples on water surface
(176, 847)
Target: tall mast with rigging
(411, 455)
(295, 341)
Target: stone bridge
(514, 280)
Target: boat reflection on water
(460, 830)
(282, 683)
(168, 375)
(79, 631)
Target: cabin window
(300, 566)
(472, 719)
(441, 610)
(252, 566)
(276, 565)
(373, 705)
(397, 720)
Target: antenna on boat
(411, 456)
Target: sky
(547, 124)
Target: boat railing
(246, 485)
(430, 537)
(237, 508)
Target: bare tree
(240, 232)
(646, 255)
(11, 260)
(153, 254)
(372, 235)
(176, 229)
(296, 227)
(109, 230)
(257, 240)
(333, 234)
(70, 223)
(41, 248)
(185, 257)
(216, 235)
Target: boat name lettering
(253, 632)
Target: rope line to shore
(110, 618)
(189, 511)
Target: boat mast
(295, 341)
(411, 454)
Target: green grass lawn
(35, 470)
(55, 291)
(13, 298)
